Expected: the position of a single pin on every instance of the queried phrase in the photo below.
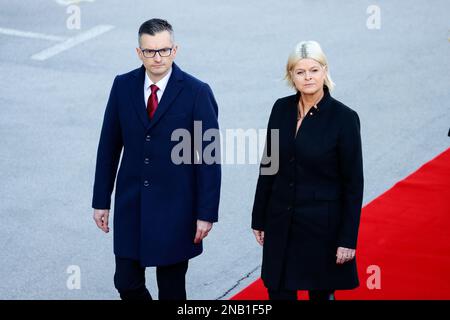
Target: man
(162, 209)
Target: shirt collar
(161, 84)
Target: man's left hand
(203, 227)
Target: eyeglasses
(164, 52)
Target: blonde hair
(307, 50)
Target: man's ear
(174, 50)
(139, 53)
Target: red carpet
(406, 233)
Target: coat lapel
(174, 86)
(137, 96)
(292, 114)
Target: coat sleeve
(352, 180)
(108, 153)
(265, 181)
(207, 172)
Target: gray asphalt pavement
(396, 78)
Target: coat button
(146, 160)
(292, 159)
(146, 183)
(291, 184)
(289, 208)
(147, 137)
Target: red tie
(152, 102)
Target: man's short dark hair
(153, 26)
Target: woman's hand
(259, 235)
(344, 255)
(101, 217)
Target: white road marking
(71, 42)
(33, 35)
(67, 2)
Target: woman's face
(308, 76)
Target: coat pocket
(327, 194)
(313, 219)
(175, 115)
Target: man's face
(159, 65)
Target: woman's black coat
(312, 205)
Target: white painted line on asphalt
(34, 35)
(67, 2)
(71, 42)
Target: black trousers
(129, 280)
(314, 295)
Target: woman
(306, 215)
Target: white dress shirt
(161, 84)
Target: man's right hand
(101, 217)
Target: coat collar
(174, 86)
(322, 104)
